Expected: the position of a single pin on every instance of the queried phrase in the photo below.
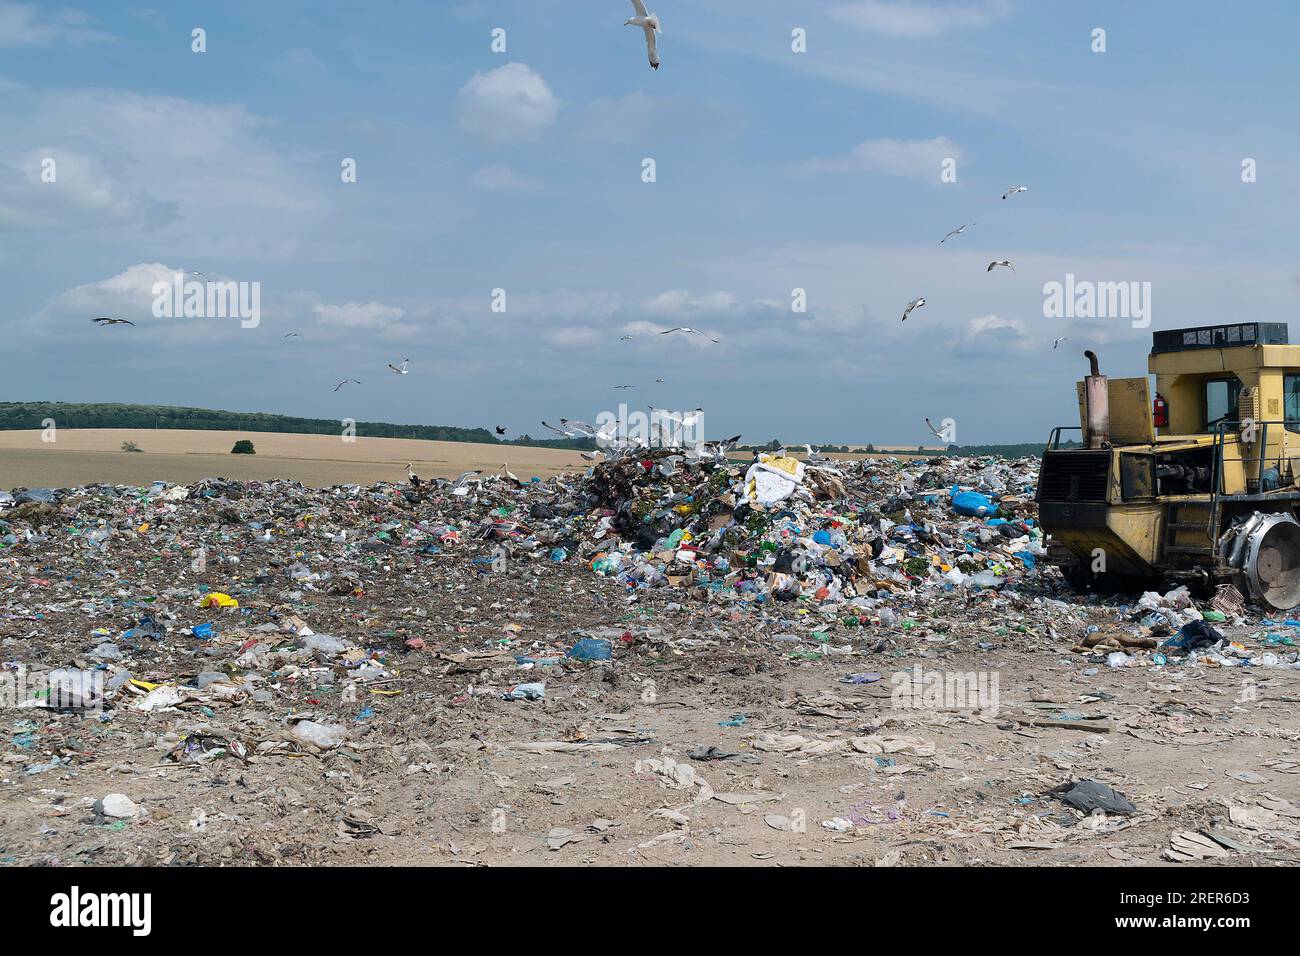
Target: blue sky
(521, 171)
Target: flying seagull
(1000, 262)
(686, 420)
(626, 338)
(1013, 190)
(501, 429)
(914, 304)
(659, 381)
(934, 431)
(205, 278)
(400, 369)
(956, 232)
(344, 382)
(571, 429)
(687, 328)
(105, 320)
(625, 386)
(289, 335)
(1059, 341)
(649, 22)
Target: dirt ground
(440, 773)
(84, 455)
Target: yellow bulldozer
(1198, 481)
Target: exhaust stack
(1096, 403)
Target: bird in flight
(687, 328)
(625, 386)
(686, 420)
(1059, 341)
(649, 22)
(289, 335)
(934, 431)
(659, 381)
(204, 277)
(626, 338)
(914, 304)
(344, 382)
(400, 369)
(501, 429)
(105, 320)
(957, 232)
(1013, 190)
(571, 429)
(1000, 262)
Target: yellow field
(81, 456)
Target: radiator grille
(1074, 476)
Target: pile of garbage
(1169, 629)
(855, 534)
(838, 533)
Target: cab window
(1221, 400)
(1291, 402)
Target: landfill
(708, 661)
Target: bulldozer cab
(1169, 476)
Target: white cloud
(501, 178)
(358, 315)
(677, 303)
(508, 104)
(84, 190)
(25, 24)
(915, 158)
(903, 18)
(991, 333)
(204, 174)
(127, 295)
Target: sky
(516, 178)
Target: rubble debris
(284, 674)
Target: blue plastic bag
(972, 503)
(592, 649)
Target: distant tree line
(16, 416)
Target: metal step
(1187, 549)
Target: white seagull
(914, 304)
(956, 232)
(1059, 341)
(687, 328)
(1013, 190)
(686, 420)
(571, 429)
(344, 382)
(649, 22)
(1000, 262)
(400, 369)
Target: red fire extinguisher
(1160, 411)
